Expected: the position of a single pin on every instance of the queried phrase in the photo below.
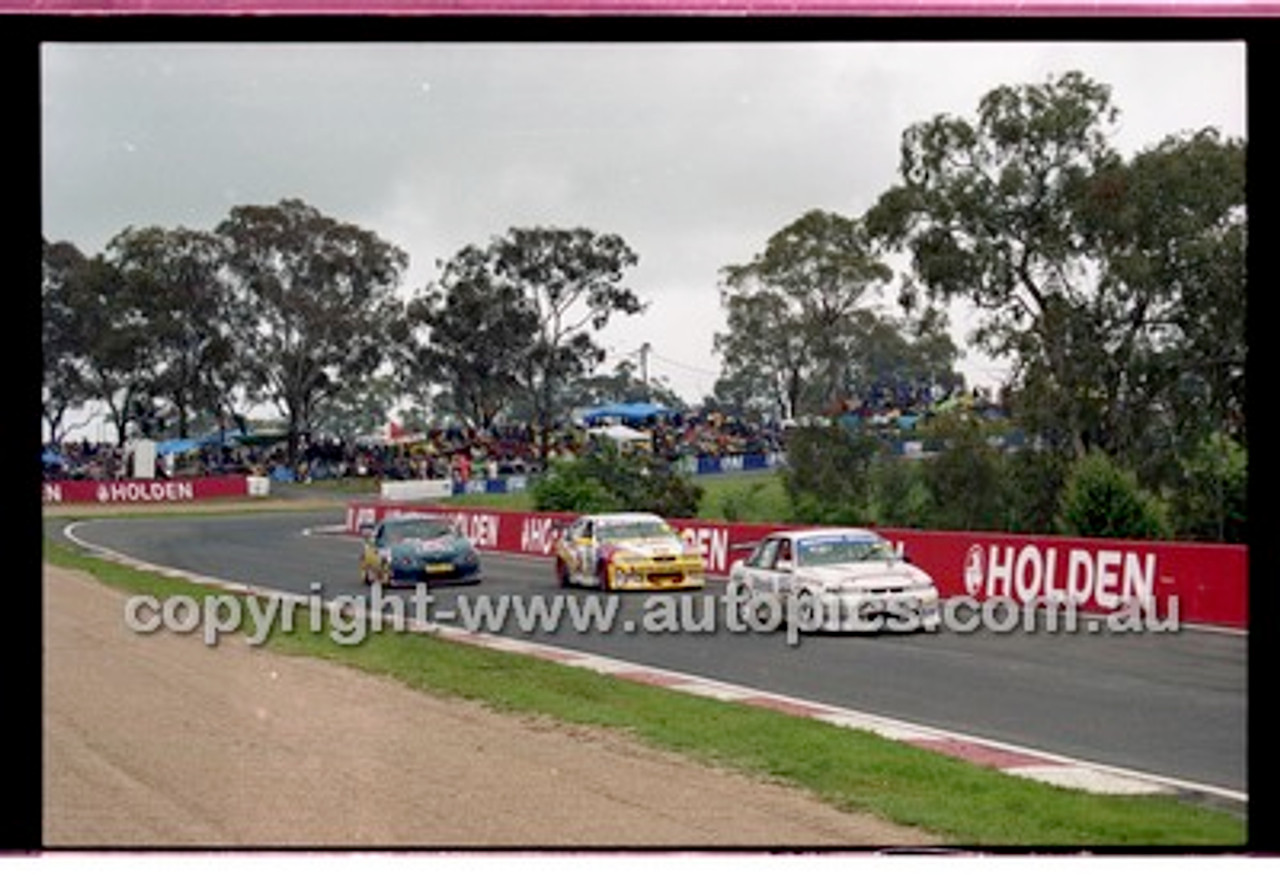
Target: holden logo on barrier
(974, 570)
(104, 495)
(1105, 577)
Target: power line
(685, 366)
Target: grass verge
(521, 501)
(737, 496)
(744, 496)
(852, 770)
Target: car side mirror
(784, 565)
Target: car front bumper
(657, 575)
(435, 570)
(875, 613)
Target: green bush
(741, 504)
(1101, 499)
(567, 487)
(606, 479)
(1211, 502)
(900, 495)
(828, 475)
(966, 478)
(1034, 479)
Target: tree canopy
(315, 297)
(510, 324)
(802, 332)
(1113, 285)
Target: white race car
(834, 580)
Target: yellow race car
(626, 550)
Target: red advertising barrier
(139, 491)
(1210, 582)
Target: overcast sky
(694, 153)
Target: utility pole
(644, 367)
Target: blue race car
(411, 549)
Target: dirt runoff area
(159, 740)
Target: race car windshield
(418, 530)
(632, 530)
(842, 550)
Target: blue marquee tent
(177, 445)
(627, 412)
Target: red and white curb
(1053, 769)
(1023, 762)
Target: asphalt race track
(1171, 704)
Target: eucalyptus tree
(795, 310)
(512, 321)
(173, 278)
(570, 282)
(989, 210)
(95, 331)
(1172, 227)
(313, 299)
(1109, 283)
(63, 339)
(466, 334)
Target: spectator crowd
(460, 453)
(465, 453)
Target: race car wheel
(602, 574)
(800, 610)
(562, 573)
(368, 576)
(757, 613)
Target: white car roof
(851, 532)
(623, 517)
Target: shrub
(567, 487)
(741, 504)
(966, 478)
(900, 496)
(607, 479)
(1033, 490)
(1103, 500)
(827, 476)
(1211, 502)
